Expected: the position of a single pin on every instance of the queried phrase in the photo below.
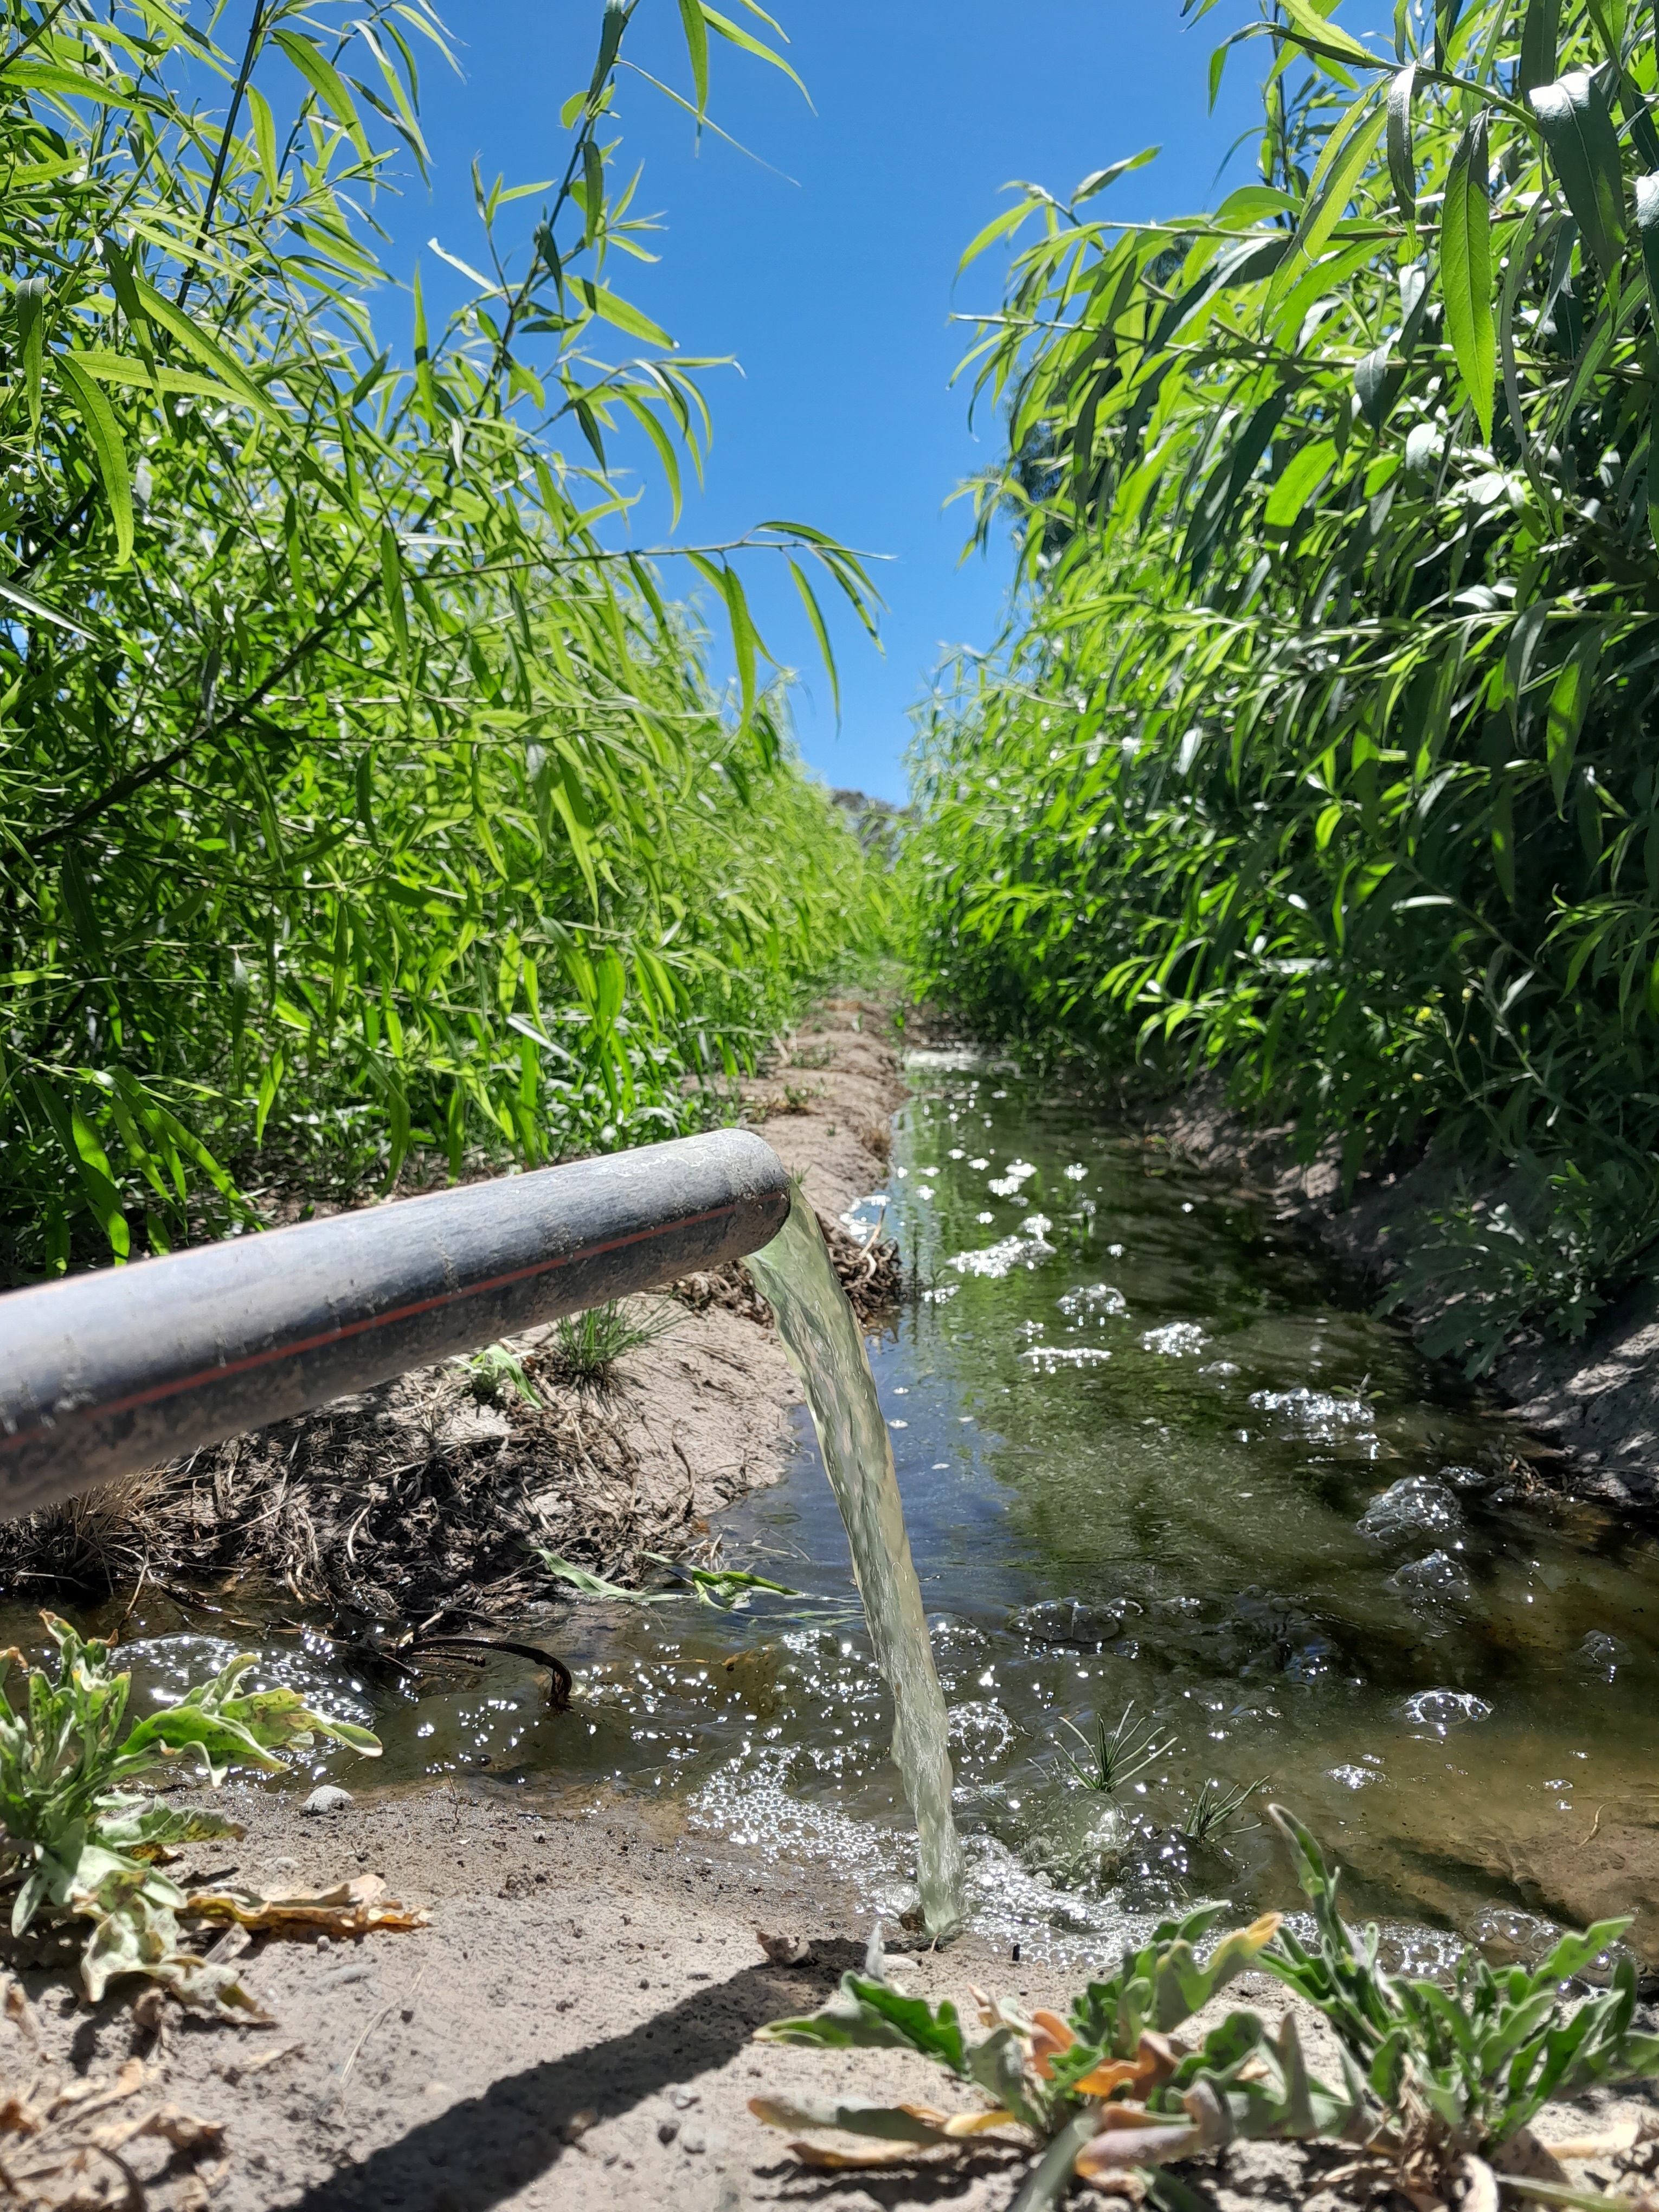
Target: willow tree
(1324, 744)
(353, 770)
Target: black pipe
(113, 1371)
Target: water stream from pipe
(826, 1349)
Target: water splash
(826, 1348)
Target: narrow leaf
(105, 434)
(1583, 145)
(1401, 167)
(1540, 35)
(1466, 272)
(326, 81)
(696, 50)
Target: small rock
(326, 1799)
(684, 2098)
(668, 2129)
(692, 2139)
(784, 1950)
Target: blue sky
(828, 273)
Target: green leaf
(32, 296)
(212, 356)
(1402, 169)
(1098, 179)
(866, 2014)
(815, 615)
(327, 83)
(1310, 29)
(32, 605)
(1465, 278)
(391, 583)
(1570, 699)
(1347, 151)
(1298, 481)
(1540, 36)
(734, 32)
(696, 50)
(264, 139)
(1583, 145)
(626, 318)
(998, 226)
(104, 434)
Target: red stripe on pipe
(337, 1334)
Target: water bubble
(980, 1164)
(939, 1297)
(1051, 1356)
(1223, 1367)
(1036, 1224)
(1318, 1413)
(1438, 1579)
(1114, 1251)
(1415, 1504)
(1176, 1339)
(1599, 1653)
(1444, 1709)
(1075, 1173)
(984, 1219)
(1007, 1185)
(1096, 1300)
(1353, 1777)
(1000, 1259)
(1466, 1478)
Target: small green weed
(1433, 2076)
(727, 1589)
(1216, 1811)
(79, 1833)
(586, 1347)
(496, 1373)
(1115, 1757)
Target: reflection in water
(1262, 1518)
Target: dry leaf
(1612, 2143)
(872, 2155)
(1049, 2036)
(350, 1908)
(1154, 2064)
(1130, 2136)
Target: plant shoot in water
(1115, 1756)
(1216, 1811)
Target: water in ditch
(1148, 1451)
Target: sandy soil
(572, 2032)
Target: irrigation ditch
(1141, 1430)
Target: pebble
(684, 2097)
(328, 1799)
(668, 2129)
(692, 2139)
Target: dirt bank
(1595, 1403)
(571, 2034)
(414, 1505)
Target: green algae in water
(826, 1348)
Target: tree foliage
(1322, 746)
(360, 789)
